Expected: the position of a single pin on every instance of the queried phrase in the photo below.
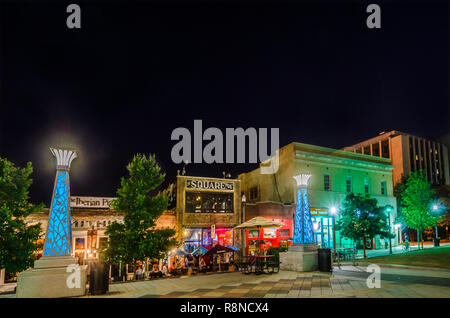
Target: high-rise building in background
(408, 153)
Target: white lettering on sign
(90, 202)
(209, 185)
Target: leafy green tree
(18, 241)
(137, 237)
(417, 197)
(361, 217)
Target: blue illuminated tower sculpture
(56, 273)
(58, 239)
(301, 256)
(303, 230)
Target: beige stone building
(207, 211)
(90, 217)
(408, 153)
(334, 174)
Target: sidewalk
(395, 250)
(345, 282)
(7, 288)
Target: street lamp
(243, 232)
(436, 208)
(333, 211)
(389, 210)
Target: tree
(416, 198)
(362, 218)
(137, 238)
(18, 241)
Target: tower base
(300, 258)
(49, 279)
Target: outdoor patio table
(257, 263)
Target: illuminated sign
(319, 211)
(91, 202)
(209, 185)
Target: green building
(334, 174)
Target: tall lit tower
(303, 230)
(58, 238)
(301, 256)
(56, 273)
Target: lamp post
(333, 211)
(436, 209)
(389, 210)
(244, 231)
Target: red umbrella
(217, 249)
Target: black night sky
(137, 70)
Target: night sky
(136, 71)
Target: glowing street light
(389, 209)
(333, 211)
(437, 209)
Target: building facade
(207, 211)
(334, 174)
(408, 153)
(90, 217)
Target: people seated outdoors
(139, 273)
(174, 269)
(182, 266)
(155, 272)
(164, 270)
(202, 265)
(191, 260)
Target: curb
(398, 266)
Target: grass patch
(432, 257)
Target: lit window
(253, 193)
(349, 184)
(383, 187)
(326, 182)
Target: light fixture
(333, 210)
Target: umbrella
(178, 252)
(259, 223)
(234, 248)
(200, 251)
(217, 249)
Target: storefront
(323, 227)
(196, 237)
(207, 211)
(270, 237)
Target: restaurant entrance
(323, 230)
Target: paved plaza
(348, 282)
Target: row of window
(327, 186)
(427, 157)
(209, 202)
(84, 224)
(375, 149)
(348, 185)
